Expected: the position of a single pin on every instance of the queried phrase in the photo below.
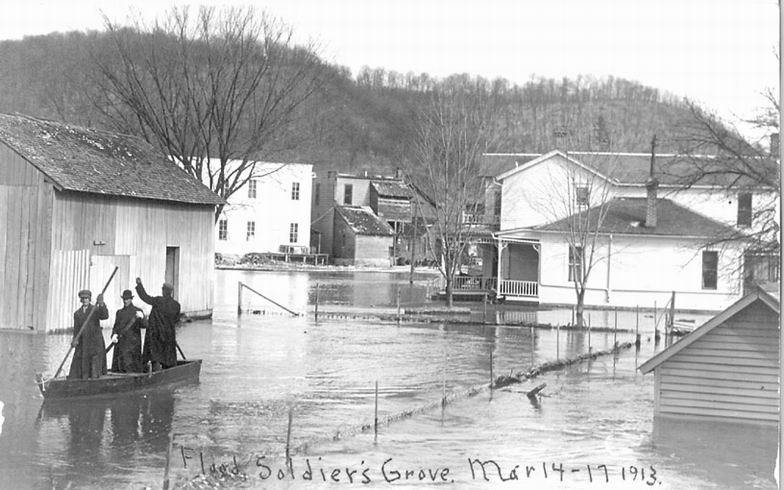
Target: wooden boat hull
(116, 383)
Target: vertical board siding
(732, 372)
(70, 273)
(24, 241)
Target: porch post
(498, 272)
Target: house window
(251, 230)
(223, 229)
(348, 190)
(252, 189)
(710, 269)
(744, 209)
(581, 195)
(293, 232)
(316, 193)
(576, 259)
(497, 203)
(295, 191)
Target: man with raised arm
(89, 359)
(160, 343)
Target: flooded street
(595, 420)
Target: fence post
(315, 313)
(557, 342)
(484, 308)
(615, 330)
(672, 313)
(637, 330)
(239, 297)
(655, 325)
(589, 333)
(398, 304)
(491, 371)
(375, 414)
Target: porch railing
(509, 287)
(473, 283)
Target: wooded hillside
(365, 122)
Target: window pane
(710, 268)
(581, 195)
(295, 191)
(744, 209)
(348, 190)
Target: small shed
(727, 369)
(361, 237)
(76, 202)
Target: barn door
(100, 269)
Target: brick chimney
(651, 186)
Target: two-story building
(629, 218)
(270, 213)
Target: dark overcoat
(89, 354)
(128, 351)
(160, 343)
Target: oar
(81, 329)
(124, 329)
(178, 348)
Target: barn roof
(363, 221)
(721, 318)
(626, 215)
(100, 162)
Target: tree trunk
(448, 291)
(580, 308)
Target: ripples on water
(258, 368)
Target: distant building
(389, 199)
(727, 369)
(270, 213)
(76, 202)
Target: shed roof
(632, 168)
(392, 188)
(81, 159)
(758, 295)
(626, 215)
(395, 210)
(363, 221)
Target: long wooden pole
(81, 329)
(375, 413)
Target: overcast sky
(720, 53)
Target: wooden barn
(75, 203)
(727, 369)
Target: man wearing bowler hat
(127, 336)
(89, 359)
(160, 343)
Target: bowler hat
(168, 285)
(85, 293)
(127, 294)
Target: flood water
(594, 420)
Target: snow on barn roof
(81, 159)
(363, 221)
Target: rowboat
(115, 383)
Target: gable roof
(630, 168)
(626, 215)
(100, 162)
(721, 318)
(363, 221)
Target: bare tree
(576, 201)
(215, 90)
(452, 131)
(716, 154)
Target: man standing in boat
(127, 335)
(160, 343)
(89, 359)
